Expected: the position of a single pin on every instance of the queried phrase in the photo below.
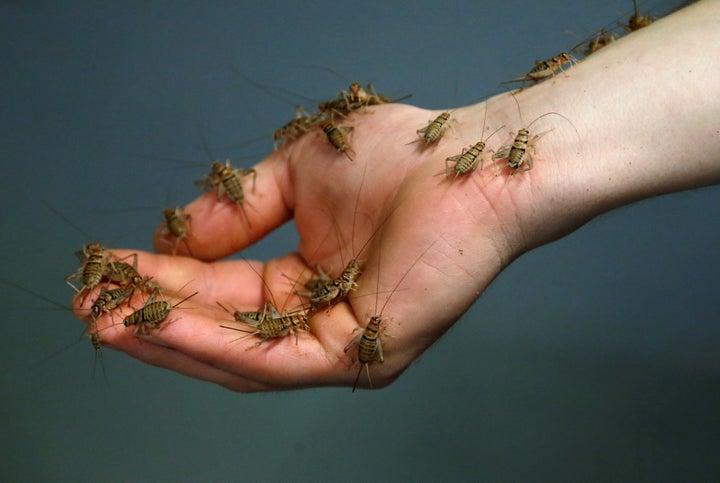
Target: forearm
(647, 114)
(650, 110)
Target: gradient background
(593, 358)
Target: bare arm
(646, 110)
(637, 119)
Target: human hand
(426, 256)
(447, 238)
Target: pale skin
(644, 120)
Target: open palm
(428, 247)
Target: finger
(219, 227)
(149, 345)
(234, 280)
(194, 344)
(193, 347)
(200, 347)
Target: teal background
(594, 358)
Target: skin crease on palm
(454, 235)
